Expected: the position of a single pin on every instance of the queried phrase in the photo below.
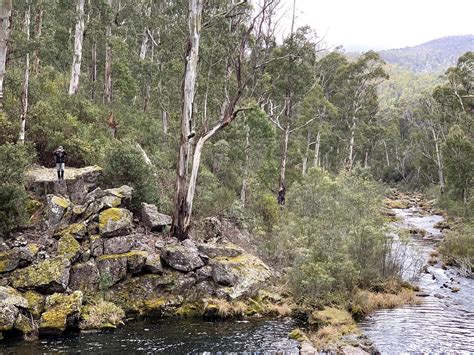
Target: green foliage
(14, 159)
(124, 165)
(458, 247)
(332, 235)
(460, 162)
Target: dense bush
(14, 159)
(458, 247)
(332, 235)
(125, 164)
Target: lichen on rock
(115, 222)
(62, 311)
(69, 247)
(48, 276)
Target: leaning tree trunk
(38, 30)
(108, 61)
(5, 29)
(26, 78)
(182, 205)
(78, 38)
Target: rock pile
(89, 246)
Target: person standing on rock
(60, 157)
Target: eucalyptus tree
(356, 95)
(5, 29)
(243, 28)
(78, 39)
(26, 75)
(292, 76)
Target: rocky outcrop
(89, 255)
(76, 184)
(154, 220)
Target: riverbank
(90, 261)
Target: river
(171, 336)
(444, 321)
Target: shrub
(458, 247)
(332, 235)
(14, 159)
(124, 164)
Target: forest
(206, 111)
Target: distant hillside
(433, 56)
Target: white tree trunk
(93, 68)
(306, 153)
(5, 29)
(38, 30)
(439, 161)
(144, 45)
(350, 158)
(316, 150)
(26, 78)
(284, 157)
(78, 38)
(183, 202)
(386, 153)
(243, 191)
(108, 61)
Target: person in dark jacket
(60, 158)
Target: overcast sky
(379, 24)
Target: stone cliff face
(89, 258)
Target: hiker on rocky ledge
(60, 157)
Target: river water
(444, 321)
(171, 336)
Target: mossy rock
(11, 259)
(298, 335)
(48, 276)
(69, 247)
(62, 311)
(330, 317)
(101, 315)
(77, 230)
(25, 325)
(36, 303)
(114, 222)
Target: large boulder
(56, 208)
(115, 222)
(242, 275)
(10, 302)
(118, 245)
(183, 256)
(154, 220)
(17, 257)
(99, 200)
(48, 276)
(78, 182)
(136, 261)
(84, 277)
(61, 311)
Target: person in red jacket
(60, 158)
